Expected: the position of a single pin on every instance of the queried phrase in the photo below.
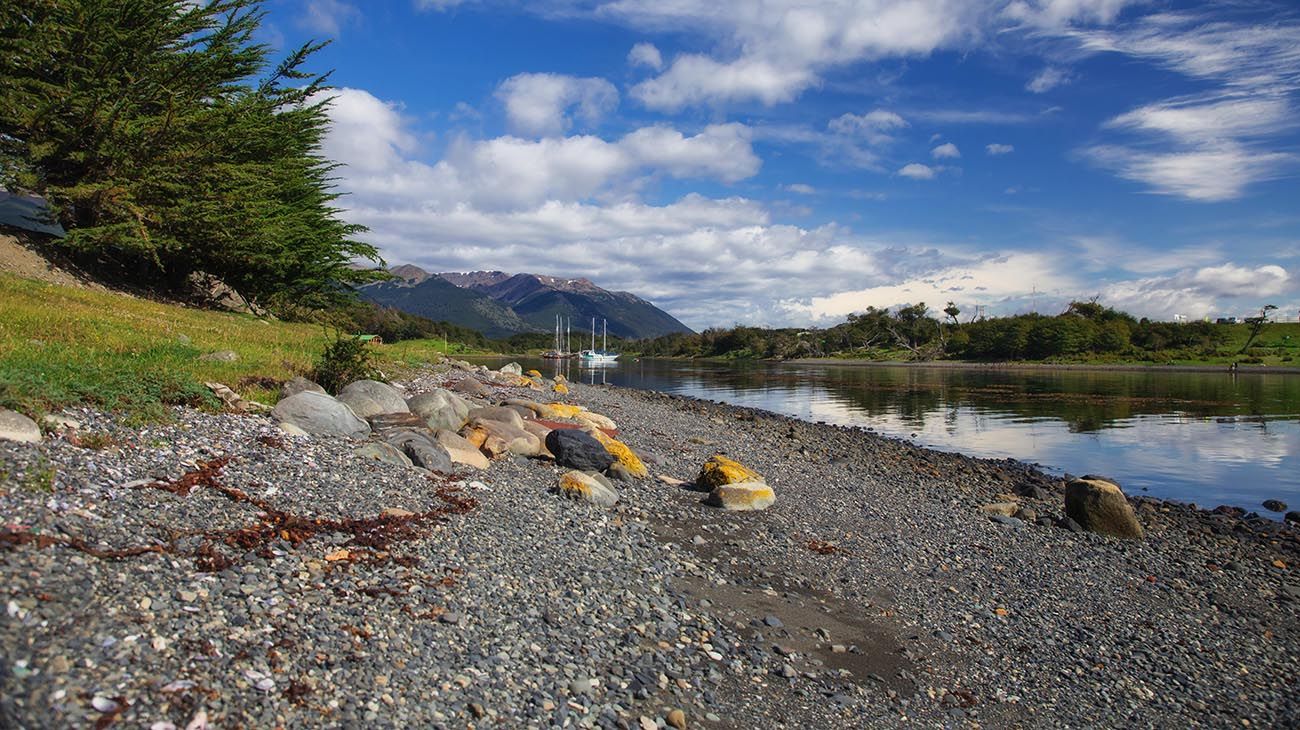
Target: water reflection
(1210, 438)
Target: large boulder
(595, 420)
(540, 431)
(591, 488)
(381, 451)
(1100, 506)
(516, 440)
(440, 409)
(14, 426)
(719, 470)
(385, 397)
(472, 387)
(422, 449)
(207, 290)
(299, 384)
(512, 368)
(460, 449)
(742, 496)
(320, 415)
(502, 414)
(578, 450)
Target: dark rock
(578, 450)
(207, 290)
(422, 449)
(385, 421)
(1275, 505)
(1065, 523)
(1293, 517)
(1008, 521)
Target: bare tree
(1256, 325)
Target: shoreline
(872, 593)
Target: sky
(789, 162)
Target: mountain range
(500, 304)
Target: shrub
(344, 360)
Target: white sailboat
(601, 356)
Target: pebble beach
(216, 571)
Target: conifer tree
(165, 143)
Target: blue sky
(780, 162)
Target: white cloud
(439, 4)
(1201, 292)
(999, 149)
(999, 278)
(1065, 12)
(772, 51)
(917, 171)
(800, 188)
(1048, 79)
(1206, 174)
(874, 126)
(1213, 146)
(645, 54)
(945, 151)
(538, 103)
(328, 16)
(1211, 120)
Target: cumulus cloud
(1048, 79)
(539, 103)
(917, 171)
(997, 278)
(996, 149)
(800, 188)
(945, 151)
(328, 16)
(1201, 292)
(645, 54)
(773, 51)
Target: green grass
(62, 346)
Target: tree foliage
(166, 142)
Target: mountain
(416, 291)
(537, 299)
(500, 304)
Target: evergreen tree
(165, 143)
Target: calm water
(1209, 438)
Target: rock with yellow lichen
(742, 496)
(720, 470)
(560, 388)
(587, 487)
(558, 410)
(595, 420)
(622, 453)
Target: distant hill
(418, 292)
(524, 302)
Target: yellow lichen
(745, 496)
(720, 470)
(622, 452)
(561, 388)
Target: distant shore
(1097, 367)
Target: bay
(1205, 437)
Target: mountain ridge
(524, 302)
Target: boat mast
(604, 335)
(593, 334)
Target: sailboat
(601, 356)
(561, 350)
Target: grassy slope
(64, 346)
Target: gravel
(873, 593)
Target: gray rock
(299, 384)
(440, 409)
(385, 452)
(588, 487)
(422, 449)
(385, 397)
(1008, 521)
(472, 387)
(14, 426)
(320, 415)
(512, 368)
(773, 621)
(502, 414)
(578, 450)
